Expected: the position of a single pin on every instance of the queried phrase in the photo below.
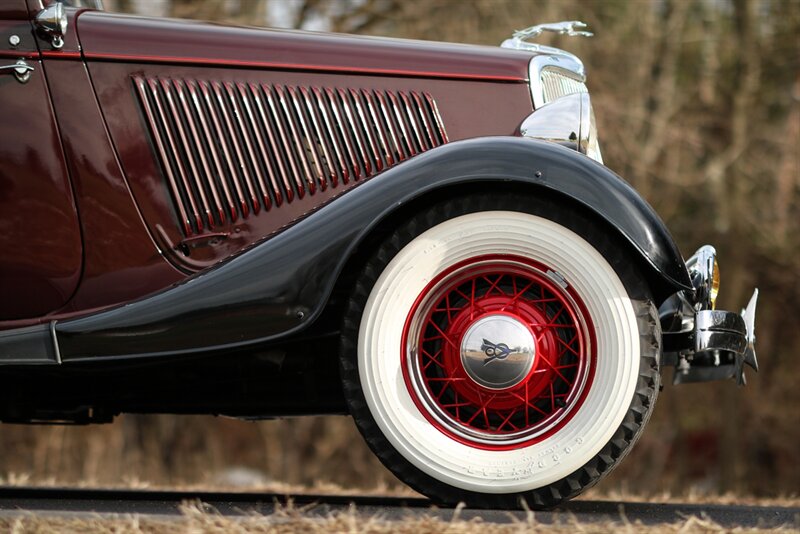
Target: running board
(33, 345)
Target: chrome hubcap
(498, 351)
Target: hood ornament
(567, 27)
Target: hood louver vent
(230, 151)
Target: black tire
(636, 407)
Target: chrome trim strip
(392, 126)
(313, 115)
(359, 141)
(267, 126)
(181, 155)
(413, 121)
(310, 145)
(54, 337)
(298, 144)
(340, 126)
(242, 170)
(253, 186)
(426, 120)
(438, 117)
(379, 127)
(402, 124)
(232, 176)
(190, 155)
(319, 97)
(219, 183)
(376, 158)
(173, 147)
(139, 83)
(261, 154)
(287, 149)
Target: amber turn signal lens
(714, 285)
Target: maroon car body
(197, 218)
(126, 214)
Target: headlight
(562, 108)
(704, 272)
(568, 121)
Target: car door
(40, 239)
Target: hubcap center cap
(498, 351)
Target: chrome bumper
(702, 343)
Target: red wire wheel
(498, 352)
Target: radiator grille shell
(556, 83)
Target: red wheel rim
(446, 385)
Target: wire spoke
(506, 420)
(444, 335)
(446, 379)
(494, 285)
(472, 304)
(517, 294)
(555, 370)
(554, 318)
(530, 404)
(567, 345)
(556, 326)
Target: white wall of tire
(616, 334)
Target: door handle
(21, 69)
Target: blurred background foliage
(698, 105)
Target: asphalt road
(78, 502)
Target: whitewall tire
(493, 353)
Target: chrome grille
(235, 150)
(556, 84)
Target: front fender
(279, 286)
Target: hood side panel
(128, 38)
(268, 136)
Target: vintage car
(264, 223)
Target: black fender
(281, 285)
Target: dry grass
(691, 497)
(389, 490)
(194, 519)
(288, 456)
(272, 487)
